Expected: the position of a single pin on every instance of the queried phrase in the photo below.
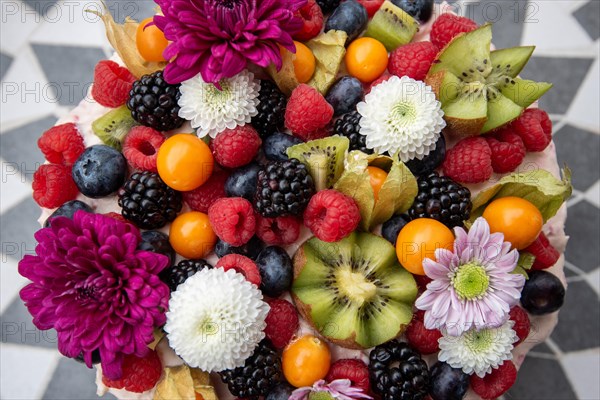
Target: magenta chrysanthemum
(217, 38)
(472, 287)
(91, 284)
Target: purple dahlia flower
(217, 38)
(91, 284)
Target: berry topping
(282, 322)
(305, 361)
(139, 373)
(53, 185)
(140, 148)
(353, 369)
(545, 255)
(176, 275)
(61, 144)
(366, 59)
(242, 265)
(349, 125)
(307, 113)
(99, 171)
(424, 340)
(508, 151)
(497, 383)
(276, 271)
(112, 84)
(233, 220)
(413, 60)
(377, 81)
(148, 202)
(535, 128)
(156, 242)
(522, 324)
(328, 5)
(304, 63)
(278, 231)
(543, 293)
(150, 41)
(312, 19)
(470, 161)
(345, 94)
(391, 228)
(419, 9)
(68, 210)
(516, 218)
(448, 26)
(372, 6)
(191, 235)
(331, 215)
(275, 145)
(448, 383)
(270, 109)
(234, 148)
(251, 249)
(202, 198)
(431, 161)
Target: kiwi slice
(324, 159)
(392, 26)
(354, 292)
(112, 127)
(479, 90)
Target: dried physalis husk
(183, 383)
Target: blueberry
(157, 242)
(345, 94)
(419, 9)
(282, 391)
(68, 210)
(350, 17)
(276, 271)
(242, 182)
(430, 162)
(391, 228)
(543, 293)
(99, 171)
(275, 145)
(251, 249)
(448, 383)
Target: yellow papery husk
(183, 383)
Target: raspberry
(522, 323)
(508, 150)
(282, 322)
(234, 148)
(312, 18)
(545, 255)
(118, 217)
(470, 161)
(140, 148)
(307, 113)
(233, 220)
(213, 189)
(331, 215)
(448, 26)
(112, 84)
(240, 264)
(497, 383)
(377, 81)
(353, 369)
(372, 6)
(139, 373)
(413, 60)
(535, 128)
(278, 231)
(422, 339)
(62, 144)
(53, 185)
(422, 281)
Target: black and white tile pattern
(47, 54)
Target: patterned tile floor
(47, 54)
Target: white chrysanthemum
(216, 319)
(401, 115)
(478, 351)
(211, 110)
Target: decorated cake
(301, 199)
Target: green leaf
(525, 260)
(395, 196)
(539, 187)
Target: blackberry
(328, 6)
(284, 188)
(260, 372)
(177, 274)
(271, 109)
(407, 381)
(442, 199)
(348, 125)
(153, 102)
(148, 202)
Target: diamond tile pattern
(31, 366)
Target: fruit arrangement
(333, 204)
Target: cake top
(356, 194)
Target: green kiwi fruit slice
(392, 26)
(324, 159)
(354, 292)
(479, 90)
(112, 127)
